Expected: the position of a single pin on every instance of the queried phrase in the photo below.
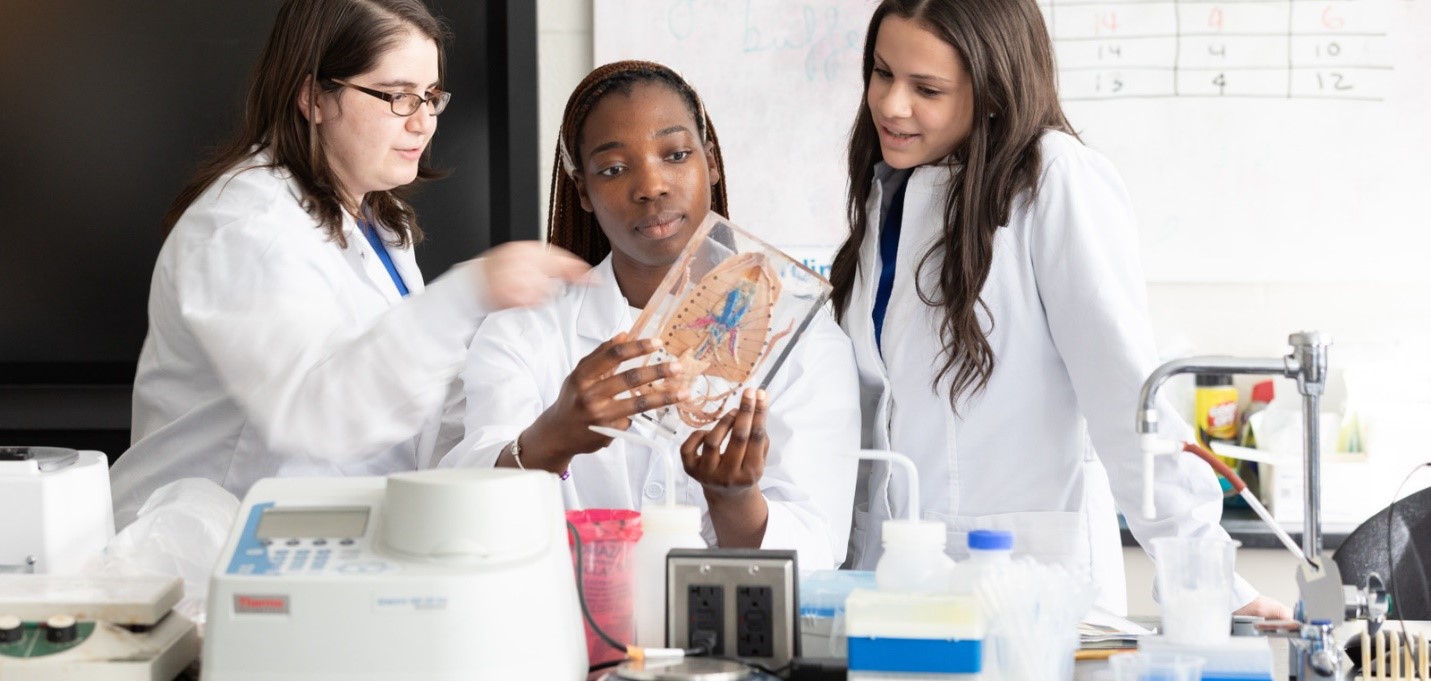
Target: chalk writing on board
(1286, 49)
(820, 34)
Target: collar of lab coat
(372, 265)
(603, 311)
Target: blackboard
(109, 108)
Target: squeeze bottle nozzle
(910, 472)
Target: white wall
(1382, 332)
(563, 59)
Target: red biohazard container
(607, 538)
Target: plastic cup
(1155, 667)
(1194, 578)
(607, 539)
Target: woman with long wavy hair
(987, 238)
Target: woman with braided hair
(638, 168)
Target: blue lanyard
(377, 243)
(888, 249)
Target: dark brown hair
(1007, 51)
(568, 224)
(317, 41)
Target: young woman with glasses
(290, 332)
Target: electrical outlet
(754, 637)
(748, 597)
(705, 616)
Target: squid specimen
(720, 331)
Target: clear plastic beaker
(1194, 579)
(1155, 667)
(607, 539)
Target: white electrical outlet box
(741, 602)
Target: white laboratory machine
(90, 628)
(56, 508)
(437, 574)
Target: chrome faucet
(1307, 363)
(1313, 649)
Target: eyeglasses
(404, 103)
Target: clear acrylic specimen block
(730, 311)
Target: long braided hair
(568, 225)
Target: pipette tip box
(1240, 658)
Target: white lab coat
(1072, 344)
(271, 351)
(520, 358)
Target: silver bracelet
(517, 452)
(516, 449)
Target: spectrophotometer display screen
(313, 522)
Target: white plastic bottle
(663, 527)
(914, 558)
(989, 551)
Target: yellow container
(1215, 409)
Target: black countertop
(1246, 527)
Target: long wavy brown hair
(1009, 56)
(317, 41)
(568, 224)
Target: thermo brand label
(261, 604)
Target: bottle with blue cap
(989, 551)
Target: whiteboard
(1260, 140)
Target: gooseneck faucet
(1307, 363)
(1325, 603)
